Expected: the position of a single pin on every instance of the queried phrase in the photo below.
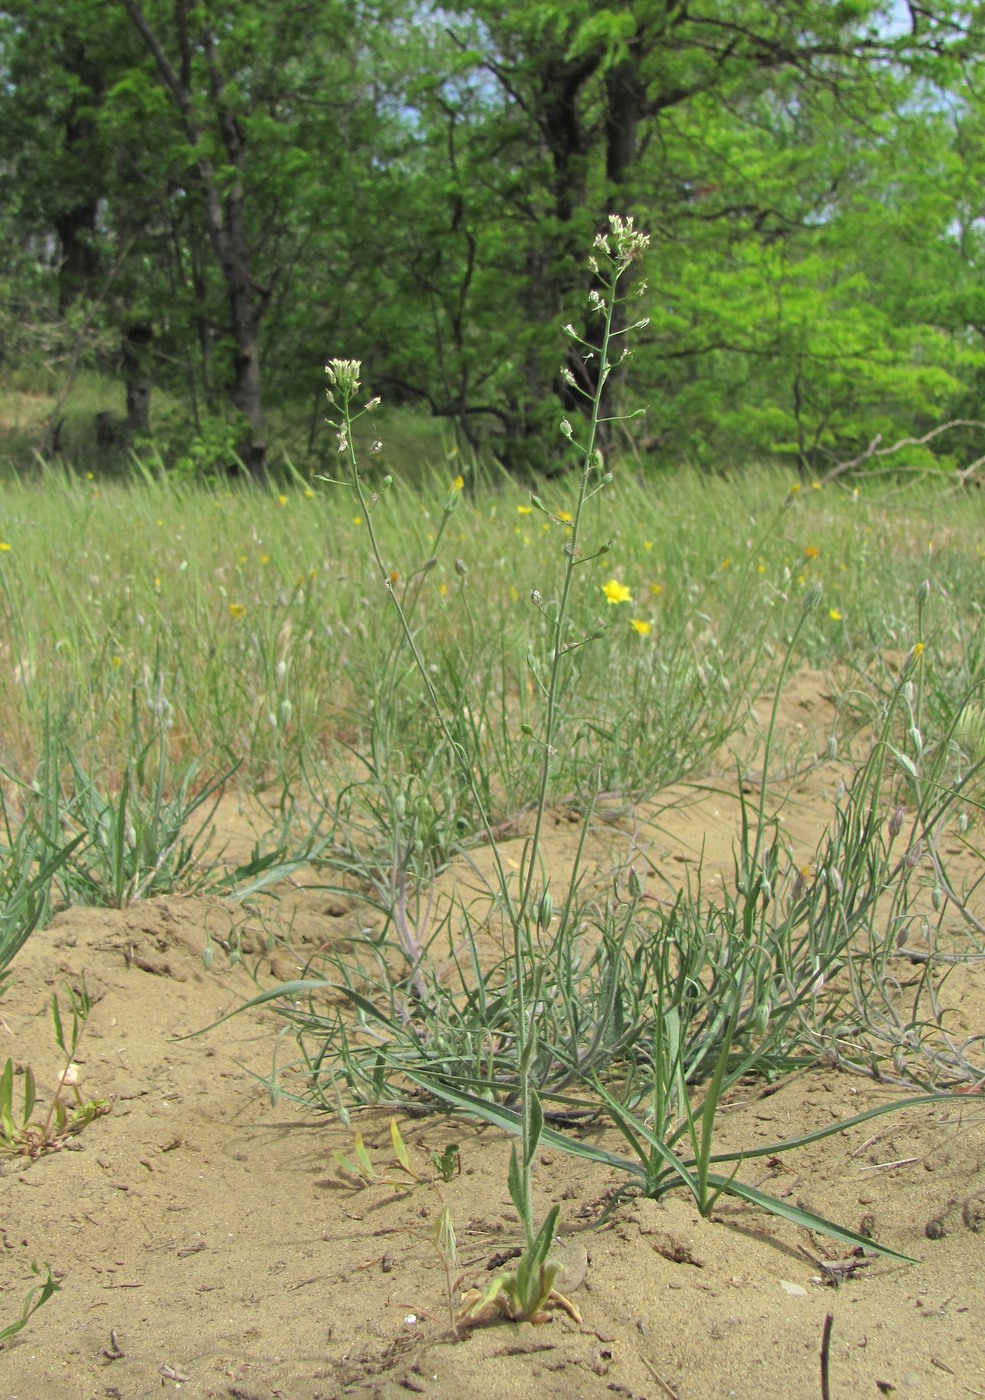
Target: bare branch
(874, 450)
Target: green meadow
(404, 671)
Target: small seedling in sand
(38, 1295)
(446, 1163)
(19, 1131)
(362, 1168)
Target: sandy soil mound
(207, 1243)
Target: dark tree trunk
(138, 338)
(76, 230)
(224, 215)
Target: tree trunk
(224, 216)
(137, 373)
(79, 267)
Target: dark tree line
(223, 194)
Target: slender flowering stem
(616, 250)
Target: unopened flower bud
(896, 822)
(923, 592)
(812, 599)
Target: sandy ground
(207, 1243)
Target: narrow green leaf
(515, 1184)
(56, 1016)
(805, 1218)
(400, 1148)
(536, 1127)
(788, 1144)
(362, 1156)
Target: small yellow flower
(918, 650)
(656, 589)
(89, 476)
(237, 610)
(834, 614)
(566, 516)
(309, 495)
(4, 547)
(815, 486)
(795, 488)
(264, 558)
(524, 510)
(648, 545)
(394, 576)
(726, 563)
(357, 520)
(811, 552)
(116, 662)
(458, 484)
(282, 500)
(157, 584)
(762, 568)
(443, 590)
(642, 627)
(616, 592)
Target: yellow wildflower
(4, 547)
(237, 610)
(616, 592)
(656, 589)
(458, 484)
(524, 510)
(357, 520)
(282, 500)
(565, 515)
(834, 614)
(641, 626)
(811, 552)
